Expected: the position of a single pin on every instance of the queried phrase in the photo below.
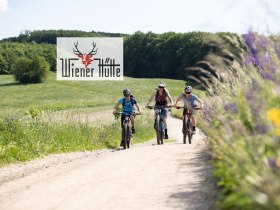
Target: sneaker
(133, 130)
(166, 136)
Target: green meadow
(66, 116)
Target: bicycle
(159, 123)
(126, 129)
(187, 124)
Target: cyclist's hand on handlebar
(139, 113)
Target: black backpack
(132, 99)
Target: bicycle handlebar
(119, 113)
(183, 107)
(151, 107)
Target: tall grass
(243, 126)
(66, 116)
(26, 139)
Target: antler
(76, 52)
(93, 51)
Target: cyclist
(160, 95)
(190, 103)
(128, 102)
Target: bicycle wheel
(189, 129)
(184, 130)
(128, 137)
(125, 136)
(158, 128)
(161, 133)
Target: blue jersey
(127, 105)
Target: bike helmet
(188, 89)
(162, 84)
(126, 92)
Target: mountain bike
(159, 122)
(126, 129)
(187, 124)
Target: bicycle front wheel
(159, 130)
(184, 131)
(125, 132)
(189, 133)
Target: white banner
(90, 58)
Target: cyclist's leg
(132, 120)
(155, 117)
(194, 119)
(164, 113)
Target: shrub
(31, 71)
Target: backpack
(132, 99)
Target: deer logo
(86, 58)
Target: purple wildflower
(231, 107)
(249, 40)
(263, 42)
(267, 75)
(277, 50)
(261, 129)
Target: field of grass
(66, 116)
(60, 95)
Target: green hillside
(59, 95)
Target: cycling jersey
(128, 107)
(161, 100)
(189, 102)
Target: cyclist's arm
(151, 98)
(169, 97)
(116, 107)
(178, 99)
(201, 102)
(138, 108)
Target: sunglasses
(187, 92)
(160, 87)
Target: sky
(129, 16)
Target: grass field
(61, 95)
(66, 116)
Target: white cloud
(3, 5)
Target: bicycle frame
(126, 130)
(187, 126)
(187, 123)
(159, 125)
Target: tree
(31, 71)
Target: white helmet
(188, 89)
(162, 84)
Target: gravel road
(147, 176)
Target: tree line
(149, 54)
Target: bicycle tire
(129, 137)
(189, 129)
(162, 131)
(184, 130)
(125, 136)
(158, 128)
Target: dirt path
(169, 176)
